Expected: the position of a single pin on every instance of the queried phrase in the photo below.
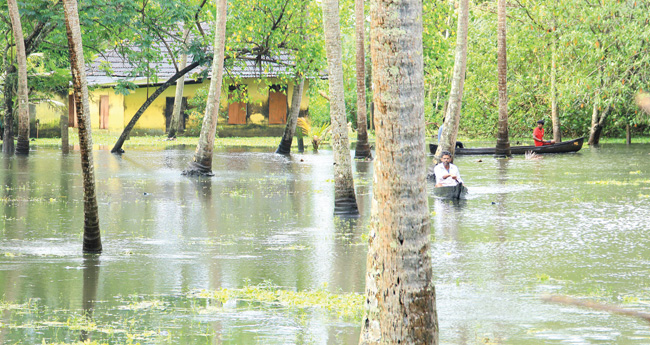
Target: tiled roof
(245, 67)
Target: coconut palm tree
(201, 163)
(290, 129)
(503, 143)
(363, 149)
(91, 239)
(22, 146)
(400, 296)
(345, 201)
(452, 117)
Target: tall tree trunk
(400, 295)
(452, 116)
(290, 129)
(503, 143)
(91, 239)
(117, 148)
(22, 147)
(8, 135)
(628, 134)
(557, 133)
(363, 149)
(201, 163)
(345, 201)
(175, 121)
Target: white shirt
(440, 171)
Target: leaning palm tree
(201, 163)
(290, 129)
(452, 117)
(91, 239)
(22, 146)
(363, 148)
(503, 143)
(400, 295)
(345, 201)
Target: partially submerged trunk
(503, 141)
(8, 135)
(290, 129)
(22, 147)
(345, 201)
(63, 124)
(628, 134)
(201, 163)
(91, 238)
(452, 116)
(597, 124)
(363, 148)
(400, 295)
(117, 148)
(175, 121)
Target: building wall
(122, 108)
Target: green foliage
(317, 133)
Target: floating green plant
(343, 305)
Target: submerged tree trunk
(597, 123)
(345, 201)
(91, 239)
(8, 135)
(290, 129)
(175, 121)
(117, 148)
(503, 142)
(363, 148)
(400, 295)
(201, 163)
(452, 116)
(557, 133)
(22, 147)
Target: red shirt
(538, 135)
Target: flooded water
(572, 224)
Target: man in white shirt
(447, 174)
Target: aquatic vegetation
(636, 182)
(344, 305)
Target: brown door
(236, 113)
(103, 112)
(72, 112)
(277, 107)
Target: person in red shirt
(538, 135)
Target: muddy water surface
(573, 224)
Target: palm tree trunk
(8, 135)
(202, 161)
(400, 295)
(452, 117)
(290, 129)
(503, 143)
(555, 118)
(175, 121)
(363, 149)
(92, 238)
(22, 146)
(345, 202)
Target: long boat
(561, 147)
(458, 191)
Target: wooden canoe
(561, 147)
(458, 191)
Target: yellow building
(266, 92)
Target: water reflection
(90, 283)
